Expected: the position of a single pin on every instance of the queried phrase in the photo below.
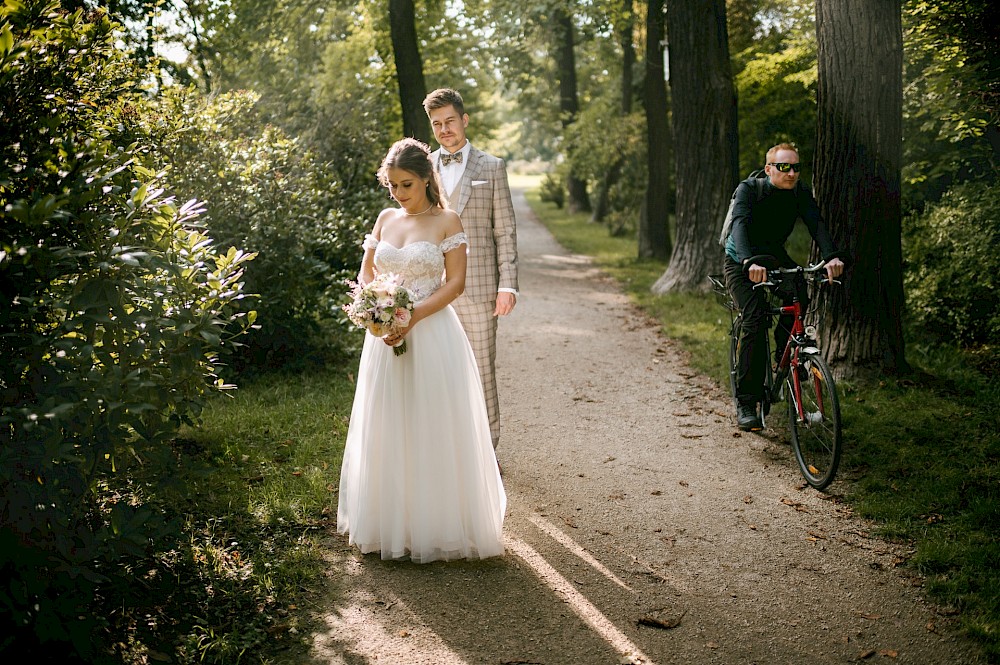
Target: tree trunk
(625, 39)
(569, 105)
(858, 158)
(409, 69)
(705, 139)
(194, 13)
(654, 237)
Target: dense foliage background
(184, 187)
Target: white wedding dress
(420, 478)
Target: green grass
(922, 452)
(253, 493)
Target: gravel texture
(641, 527)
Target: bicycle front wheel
(814, 420)
(734, 354)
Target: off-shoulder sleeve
(451, 242)
(371, 242)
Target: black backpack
(727, 224)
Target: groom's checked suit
(482, 199)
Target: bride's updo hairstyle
(414, 156)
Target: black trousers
(752, 362)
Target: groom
(477, 189)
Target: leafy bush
(953, 268)
(609, 151)
(267, 194)
(553, 190)
(114, 307)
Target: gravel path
(633, 501)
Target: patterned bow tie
(448, 158)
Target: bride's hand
(394, 339)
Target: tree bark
(706, 143)
(409, 69)
(653, 232)
(858, 160)
(625, 40)
(569, 105)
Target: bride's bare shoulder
(450, 222)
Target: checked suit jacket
(482, 199)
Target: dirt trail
(631, 498)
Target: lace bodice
(420, 264)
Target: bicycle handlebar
(770, 263)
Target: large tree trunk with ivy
(705, 139)
(858, 158)
(569, 104)
(409, 69)
(654, 237)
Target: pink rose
(402, 316)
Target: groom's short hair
(444, 97)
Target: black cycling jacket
(763, 226)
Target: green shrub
(953, 266)
(553, 190)
(269, 195)
(114, 307)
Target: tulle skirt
(420, 478)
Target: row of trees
(858, 129)
(120, 314)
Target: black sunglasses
(785, 167)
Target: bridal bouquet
(382, 306)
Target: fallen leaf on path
(888, 653)
(794, 504)
(866, 654)
(404, 633)
(871, 617)
(610, 459)
(931, 628)
(662, 618)
(712, 645)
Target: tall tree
(653, 233)
(858, 161)
(624, 26)
(705, 139)
(569, 103)
(409, 69)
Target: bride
(420, 478)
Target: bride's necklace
(414, 214)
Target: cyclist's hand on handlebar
(834, 269)
(757, 273)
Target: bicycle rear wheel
(817, 437)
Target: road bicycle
(802, 377)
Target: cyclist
(761, 225)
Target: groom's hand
(505, 303)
